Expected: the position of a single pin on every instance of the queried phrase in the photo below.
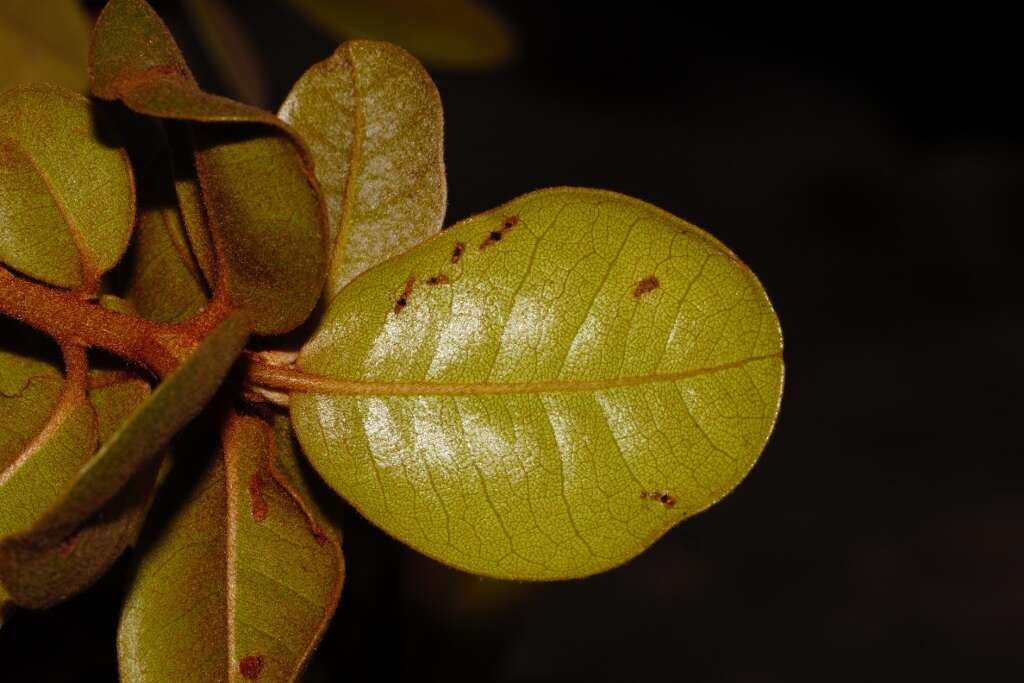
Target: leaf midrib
(301, 382)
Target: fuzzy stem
(70, 319)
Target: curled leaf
(461, 34)
(53, 165)
(373, 121)
(543, 390)
(241, 582)
(265, 215)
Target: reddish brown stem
(70, 319)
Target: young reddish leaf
(43, 42)
(461, 34)
(264, 211)
(53, 166)
(372, 118)
(543, 390)
(32, 560)
(242, 581)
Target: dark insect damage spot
(257, 503)
(496, 235)
(457, 252)
(319, 536)
(250, 667)
(439, 279)
(648, 284)
(403, 300)
(663, 497)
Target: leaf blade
(50, 145)
(237, 583)
(264, 211)
(372, 118)
(543, 390)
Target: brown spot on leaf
(403, 299)
(319, 536)
(457, 252)
(439, 279)
(496, 235)
(648, 284)
(250, 667)
(663, 497)
(257, 502)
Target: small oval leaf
(542, 391)
(373, 121)
(264, 211)
(240, 583)
(460, 34)
(53, 165)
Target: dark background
(869, 168)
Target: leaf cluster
(207, 311)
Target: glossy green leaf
(231, 51)
(53, 166)
(241, 583)
(265, 214)
(462, 34)
(543, 390)
(43, 42)
(32, 561)
(372, 118)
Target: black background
(868, 167)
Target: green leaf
(53, 166)
(461, 34)
(543, 390)
(372, 118)
(43, 42)
(34, 561)
(264, 211)
(241, 583)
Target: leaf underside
(240, 580)
(543, 390)
(373, 121)
(54, 162)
